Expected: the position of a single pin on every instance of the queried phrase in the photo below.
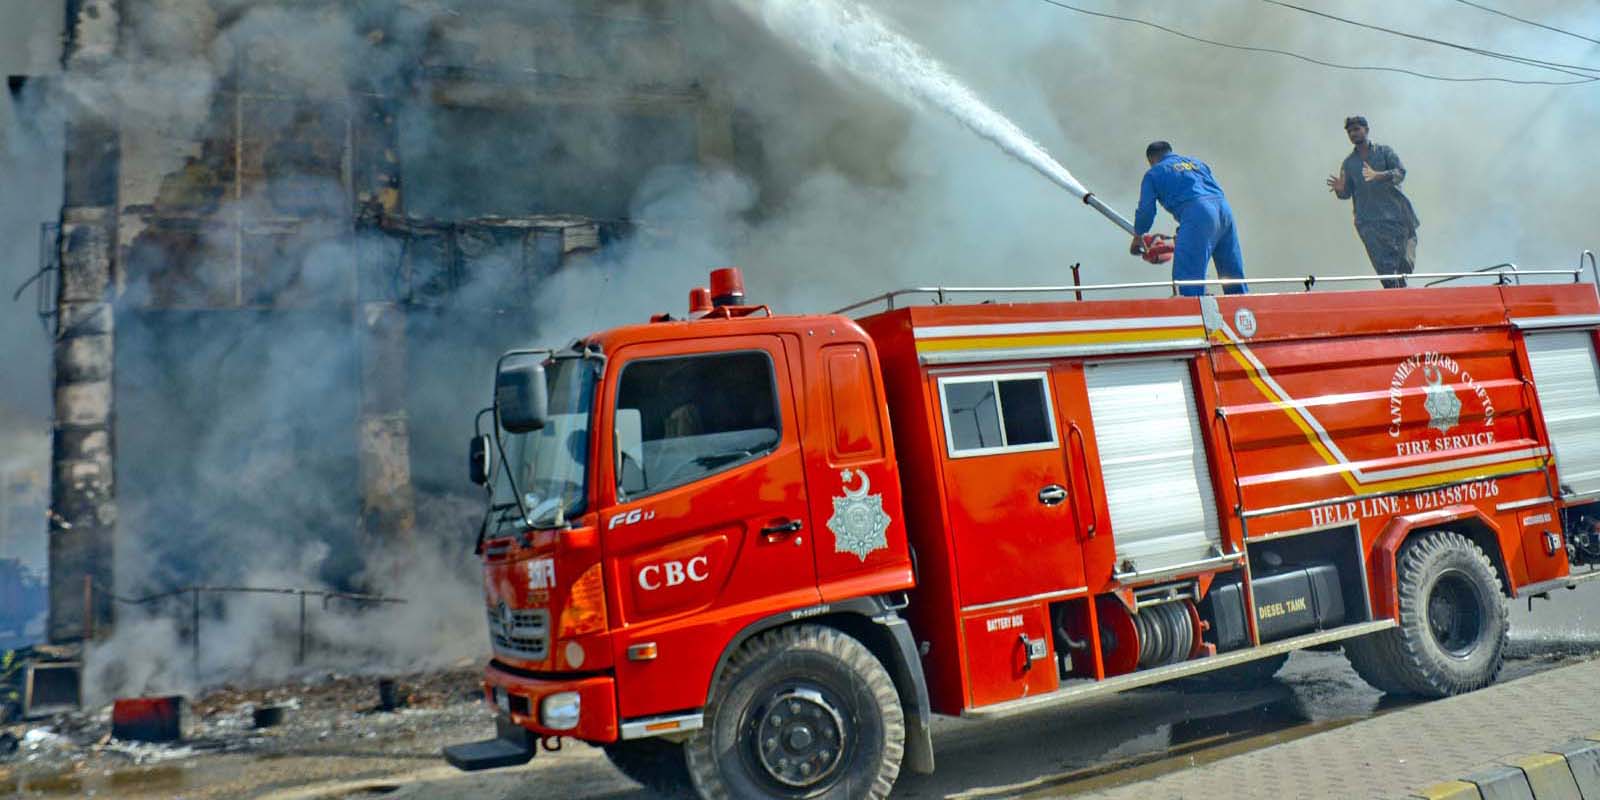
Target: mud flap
(512, 745)
(908, 676)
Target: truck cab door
(707, 517)
(860, 538)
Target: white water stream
(842, 35)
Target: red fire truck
(755, 552)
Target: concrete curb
(1568, 771)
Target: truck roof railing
(1503, 274)
(1507, 268)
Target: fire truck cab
(753, 553)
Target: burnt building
(293, 237)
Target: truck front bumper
(583, 708)
(530, 708)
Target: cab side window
(681, 419)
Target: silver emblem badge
(859, 521)
(1244, 321)
(1444, 408)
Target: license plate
(502, 700)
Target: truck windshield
(550, 465)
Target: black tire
(843, 736)
(1246, 676)
(657, 764)
(1452, 633)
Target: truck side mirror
(521, 397)
(480, 458)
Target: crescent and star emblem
(859, 523)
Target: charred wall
(310, 269)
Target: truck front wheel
(804, 711)
(1452, 633)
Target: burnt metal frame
(194, 592)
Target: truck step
(511, 746)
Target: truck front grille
(520, 633)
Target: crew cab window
(986, 414)
(681, 419)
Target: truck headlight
(559, 711)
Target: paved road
(1106, 743)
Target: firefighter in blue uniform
(1185, 188)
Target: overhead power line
(1561, 31)
(1570, 69)
(1317, 61)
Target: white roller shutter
(1158, 487)
(1567, 380)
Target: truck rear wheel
(657, 764)
(804, 711)
(1452, 633)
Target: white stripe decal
(1069, 326)
(1457, 463)
(1059, 351)
(1488, 459)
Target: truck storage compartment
(1008, 653)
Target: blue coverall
(1185, 188)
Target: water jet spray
(844, 36)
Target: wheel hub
(801, 738)
(1454, 617)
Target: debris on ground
(333, 718)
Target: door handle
(1083, 458)
(780, 530)
(1053, 494)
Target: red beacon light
(699, 300)
(727, 287)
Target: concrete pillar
(388, 501)
(82, 481)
